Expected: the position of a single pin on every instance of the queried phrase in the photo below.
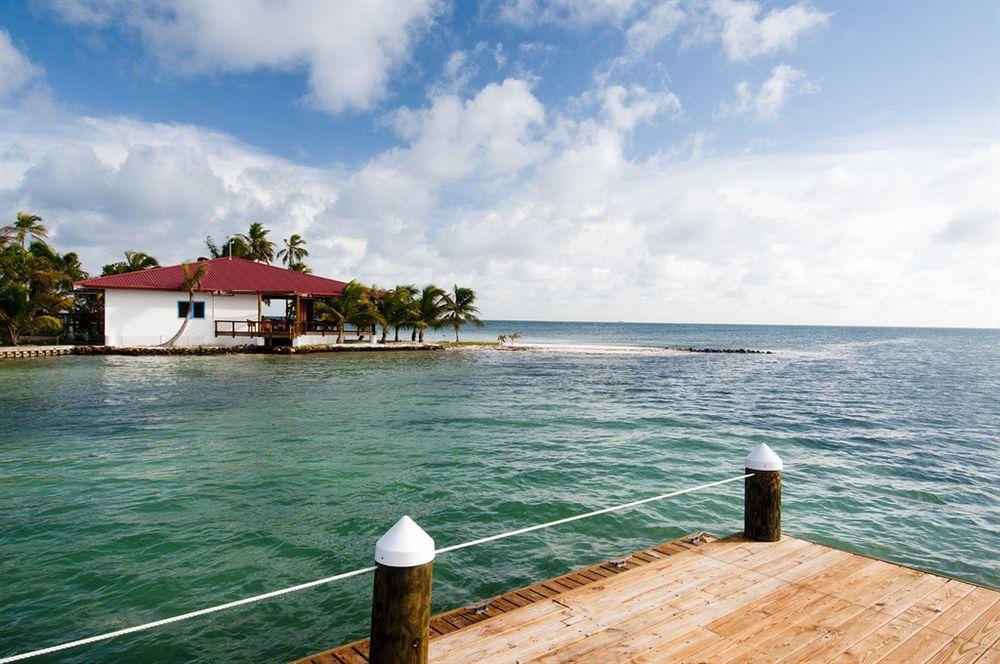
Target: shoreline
(25, 352)
(598, 349)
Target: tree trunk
(385, 333)
(397, 335)
(340, 331)
(413, 335)
(456, 333)
(421, 335)
(170, 342)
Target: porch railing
(256, 328)
(284, 328)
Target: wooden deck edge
(862, 554)
(456, 619)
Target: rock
(744, 351)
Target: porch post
(296, 327)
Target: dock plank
(727, 600)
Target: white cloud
(348, 49)
(456, 73)
(106, 185)
(491, 134)
(627, 107)
(527, 205)
(531, 13)
(16, 70)
(654, 28)
(745, 34)
(766, 102)
(462, 66)
(739, 25)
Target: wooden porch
(698, 599)
(285, 329)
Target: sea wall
(248, 348)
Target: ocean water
(133, 489)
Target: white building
(146, 308)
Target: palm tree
(24, 311)
(460, 308)
(27, 225)
(191, 282)
(394, 308)
(353, 306)
(234, 247)
(514, 336)
(260, 249)
(407, 306)
(64, 269)
(33, 291)
(134, 262)
(293, 253)
(428, 309)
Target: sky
(726, 161)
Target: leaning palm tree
(260, 248)
(460, 308)
(294, 253)
(135, 261)
(428, 310)
(190, 283)
(27, 225)
(353, 306)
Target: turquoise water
(132, 489)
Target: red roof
(231, 275)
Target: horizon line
(623, 322)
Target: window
(182, 309)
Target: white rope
(634, 503)
(184, 616)
(345, 575)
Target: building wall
(148, 318)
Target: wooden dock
(698, 599)
(18, 352)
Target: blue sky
(730, 161)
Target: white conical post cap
(404, 545)
(763, 458)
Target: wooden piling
(401, 601)
(401, 614)
(762, 496)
